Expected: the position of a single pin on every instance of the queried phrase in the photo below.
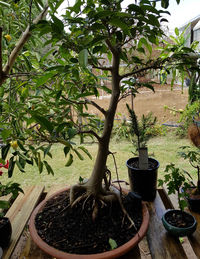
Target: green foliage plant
(174, 179)
(189, 68)
(140, 129)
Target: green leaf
(11, 166)
(81, 179)
(5, 133)
(58, 26)
(112, 243)
(5, 4)
(86, 152)
(48, 167)
(46, 150)
(43, 122)
(4, 151)
(66, 150)
(83, 58)
(19, 166)
(40, 163)
(79, 155)
(176, 31)
(4, 204)
(42, 80)
(117, 22)
(165, 3)
(70, 160)
(135, 8)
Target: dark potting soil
(179, 219)
(72, 229)
(151, 164)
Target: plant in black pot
(193, 191)
(142, 169)
(177, 222)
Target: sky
(180, 14)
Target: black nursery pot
(193, 201)
(5, 231)
(143, 182)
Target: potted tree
(142, 170)
(44, 106)
(177, 222)
(193, 191)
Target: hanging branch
(30, 12)
(23, 39)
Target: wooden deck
(157, 244)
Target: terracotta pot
(105, 255)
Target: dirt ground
(147, 101)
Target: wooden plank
(144, 249)
(191, 244)
(19, 214)
(161, 244)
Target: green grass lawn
(163, 148)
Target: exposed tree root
(83, 193)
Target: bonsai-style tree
(140, 130)
(91, 42)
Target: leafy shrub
(186, 117)
(121, 130)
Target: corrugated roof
(192, 21)
(197, 26)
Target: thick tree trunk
(95, 181)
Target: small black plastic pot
(143, 182)
(5, 231)
(193, 201)
(179, 231)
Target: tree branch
(23, 39)
(96, 106)
(86, 101)
(103, 68)
(154, 66)
(90, 132)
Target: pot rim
(105, 255)
(176, 228)
(137, 169)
